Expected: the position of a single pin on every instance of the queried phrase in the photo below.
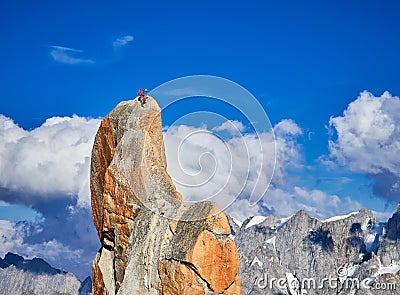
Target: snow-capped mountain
(350, 254)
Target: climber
(142, 96)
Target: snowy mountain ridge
(349, 247)
(257, 219)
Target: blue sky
(305, 61)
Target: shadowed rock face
(389, 242)
(152, 243)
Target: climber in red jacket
(142, 96)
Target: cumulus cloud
(288, 150)
(64, 236)
(12, 239)
(122, 41)
(205, 166)
(47, 169)
(68, 55)
(234, 127)
(57, 245)
(317, 203)
(368, 141)
(49, 161)
(241, 210)
(70, 226)
(285, 201)
(287, 127)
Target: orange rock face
(216, 262)
(152, 243)
(201, 241)
(235, 288)
(217, 222)
(102, 154)
(178, 278)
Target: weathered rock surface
(300, 250)
(152, 243)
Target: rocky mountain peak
(35, 276)
(393, 226)
(34, 265)
(13, 259)
(300, 215)
(300, 247)
(152, 242)
(300, 221)
(389, 243)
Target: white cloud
(65, 239)
(241, 209)
(323, 205)
(122, 41)
(66, 55)
(204, 166)
(47, 169)
(232, 126)
(73, 56)
(62, 48)
(50, 160)
(53, 161)
(13, 236)
(368, 140)
(287, 127)
(368, 134)
(284, 202)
